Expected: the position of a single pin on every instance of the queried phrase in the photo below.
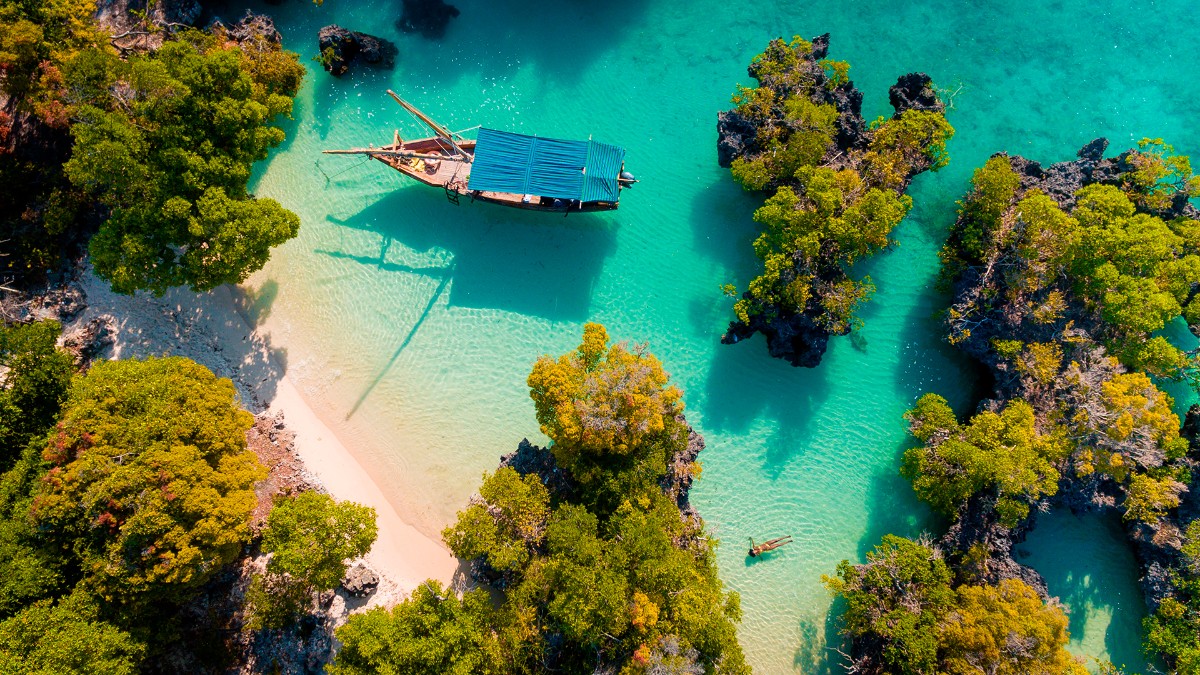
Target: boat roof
(546, 167)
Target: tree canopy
(310, 537)
(601, 400)
(1002, 451)
(166, 142)
(434, 631)
(903, 600)
(836, 187)
(66, 638)
(151, 484)
(595, 561)
(35, 386)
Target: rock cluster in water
(798, 337)
(427, 17)
(341, 47)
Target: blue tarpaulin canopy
(545, 167)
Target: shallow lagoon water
(411, 323)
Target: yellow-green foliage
(838, 72)
(67, 638)
(505, 524)
(1148, 498)
(1010, 629)
(605, 575)
(821, 220)
(1005, 452)
(599, 399)
(1173, 631)
(36, 39)
(1134, 271)
(906, 144)
(151, 485)
(902, 603)
(1158, 175)
(1041, 361)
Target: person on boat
(771, 545)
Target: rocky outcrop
(795, 338)
(798, 335)
(250, 28)
(980, 314)
(978, 530)
(119, 16)
(914, 91)
(529, 459)
(360, 581)
(341, 47)
(427, 17)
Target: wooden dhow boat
(501, 167)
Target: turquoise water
(411, 324)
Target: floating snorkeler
(757, 550)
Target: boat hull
(451, 173)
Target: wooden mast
(437, 128)
(390, 153)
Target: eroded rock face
(796, 336)
(360, 581)
(915, 91)
(250, 28)
(341, 47)
(427, 17)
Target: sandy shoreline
(209, 328)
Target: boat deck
(452, 175)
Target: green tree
(899, 597)
(1005, 452)
(1006, 630)
(505, 524)
(35, 386)
(29, 570)
(66, 638)
(310, 537)
(166, 141)
(432, 632)
(601, 400)
(151, 483)
(1173, 631)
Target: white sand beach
(208, 328)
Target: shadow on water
(893, 508)
(433, 298)
(818, 651)
(527, 263)
(562, 37)
(745, 383)
(1082, 559)
(723, 214)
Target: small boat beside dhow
(509, 169)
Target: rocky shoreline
(99, 325)
(801, 337)
(977, 320)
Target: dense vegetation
(599, 569)
(121, 503)
(310, 537)
(836, 186)
(1064, 281)
(160, 146)
(905, 615)
(128, 489)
